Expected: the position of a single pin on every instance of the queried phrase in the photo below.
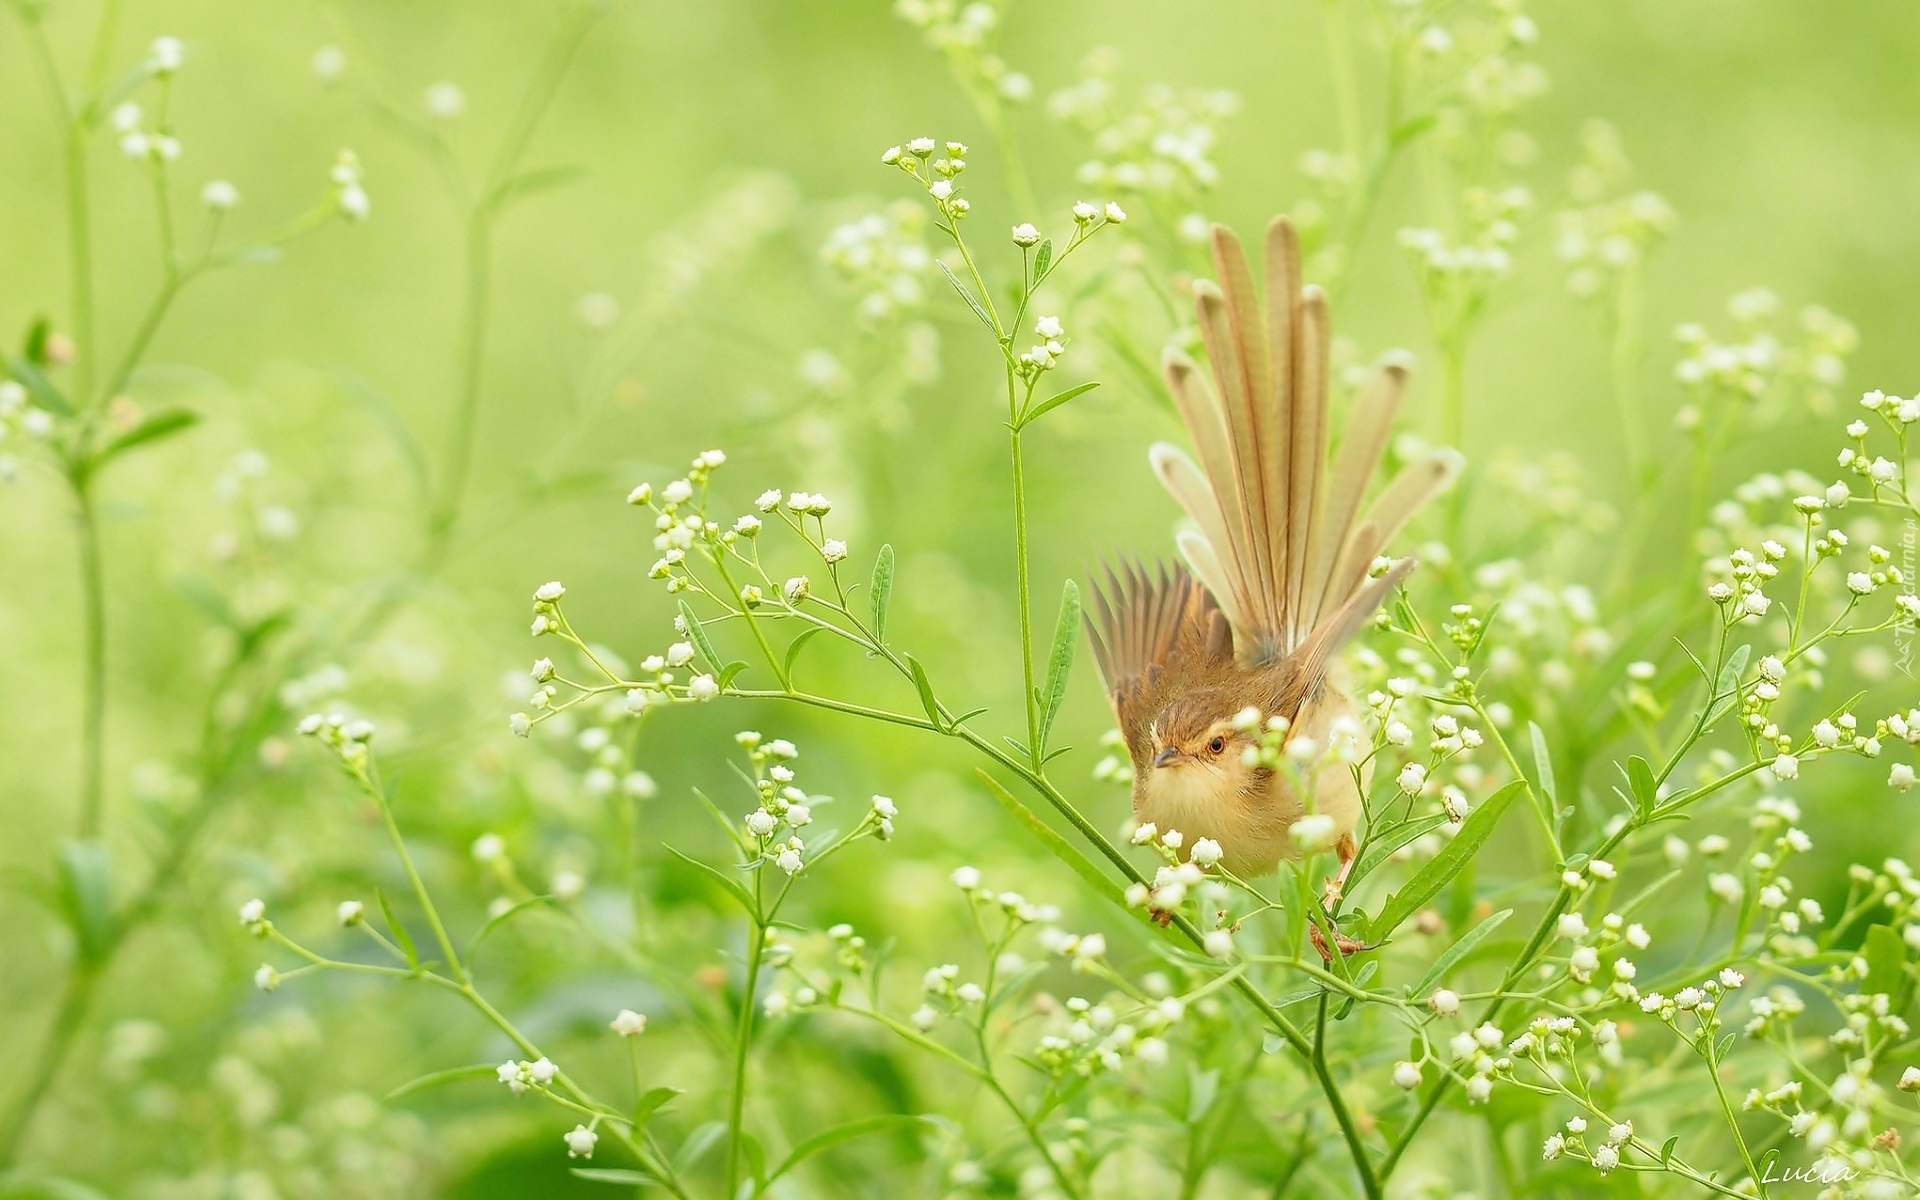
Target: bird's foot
(1347, 945)
(1162, 917)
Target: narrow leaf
(1042, 261)
(1640, 780)
(615, 1175)
(1543, 766)
(531, 183)
(698, 636)
(400, 935)
(697, 1144)
(160, 424)
(1202, 1088)
(1459, 950)
(880, 592)
(731, 886)
(968, 297)
(841, 1134)
(1442, 867)
(86, 896)
(650, 1102)
(44, 393)
(793, 649)
(1051, 838)
(925, 688)
(441, 1079)
(1048, 405)
(1066, 636)
(1385, 845)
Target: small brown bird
(1283, 558)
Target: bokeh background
(671, 298)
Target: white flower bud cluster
(1160, 148)
(783, 806)
(347, 737)
(965, 33)
(883, 256)
(522, 1076)
(1098, 1039)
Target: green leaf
(400, 935)
(840, 1134)
(1666, 1149)
(1726, 689)
(880, 592)
(1384, 846)
(1459, 950)
(19, 1185)
(793, 649)
(1042, 260)
(1442, 867)
(650, 1102)
(698, 636)
(925, 688)
(162, 423)
(1066, 636)
(731, 886)
(1640, 781)
(1202, 1088)
(731, 672)
(1647, 893)
(1543, 766)
(695, 1148)
(44, 393)
(1886, 957)
(531, 183)
(86, 897)
(502, 918)
(968, 297)
(616, 1175)
(1051, 838)
(1048, 405)
(442, 1078)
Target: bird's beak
(1168, 756)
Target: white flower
(1049, 328)
(253, 913)
(567, 885)
(1910, 1080)
(788, 860)
(1478, 1089)
(1412, 777)
(1555, 1144)
(1583, 962)
(488, 847)
(350, 912)
(580, 1142)
(509, 1073)
(1624, 969)
(1900, 778)
(1406, 1075)
(1572, 926)
(1786, 766)
(1725, 886)
(833, 550)
(1576, 1124)
(1489, 1036)
(1444, 1002)
(1606, 1158)
(1115, 213)
(166, 55)
(219, 196)
(702, 687)
(924, 1018)
(1205, 853)
(542, 1072)
(1638, 937)
(266, 978)
(1600, 868)
(1619, 1133)
(965, 878)
(1024, 234)
(628, 1023)
(1313, 832)
(444, 101)
(1397, 733)
(1219, 944)
(1826, 734)
(550, 591)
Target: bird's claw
(1347, 945)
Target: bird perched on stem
(1285, 564)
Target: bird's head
(1199, 730)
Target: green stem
(68, 1016)
(743, 1040)
(413, 877)
(1034, 751)
(93, 701)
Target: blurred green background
(719, 143)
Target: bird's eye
(1216, 745)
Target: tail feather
(1282, 542)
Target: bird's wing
(1155, 633)
(1281, 541)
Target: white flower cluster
(965, 33)
(348, 737)
(1472, 265)
(783, 806)
(349, 194)
(1094, 1039)
(1161, 148)
(884, 256)
(937, 175)
(1605, 240)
